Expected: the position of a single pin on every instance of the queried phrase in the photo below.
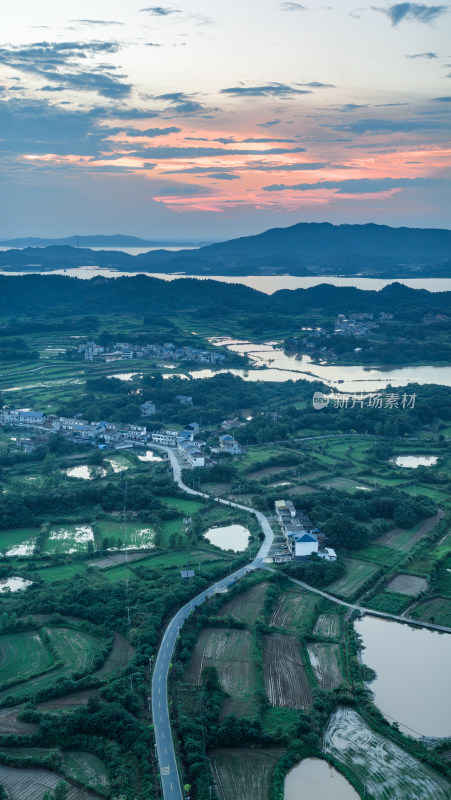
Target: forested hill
(56, 295)
(302, 249)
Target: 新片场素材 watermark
(375, 400)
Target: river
(279, 366)
(268, 284)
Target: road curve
(170, 780)
(362, 609)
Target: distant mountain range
(302, 249)
(97, 241)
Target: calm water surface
(262, 283)
(14, 584)
(230, 537)
(413, 667)
(314, 779)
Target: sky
(209, 120)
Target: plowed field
(286, 683)
(248, 606)
(292, 609)
(244, 774)
(31, 784)
(230, 651)
(326, 662)
(407, 584)
(327, 625)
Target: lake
(413, 667)
(229, 537)
(314, 779)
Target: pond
(412, 462)
(150, 456)
(412, 667)
(229, 537)
(315, 779)
(14, 584)
(117, 466)
(85, 472)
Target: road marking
(165, 771)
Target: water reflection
(229, 537)
(413, 462)
(314, 779)
(14, 584)
(412, 666)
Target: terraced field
(357, 573)
(9, 724)
(387, 772)
(117, 660)
(23, 655)
(327, 665)
(407, 584)
(231, 652)
(292, 610)
(286, 683)
(75, 648)
(327, 625)
(31, 784)
(244, 773)
(248, 606)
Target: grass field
(87, 769)
(444, 577)
(294, 611)
(18, 541)
(357, 574)
(437, 610)
(285, 719)
(327, 625)
(286, 683)
(327, 664)
(62, 573)
(387, 772)
(23, 655)
(248, 606)
(389, 602)
(184, 506)
(404, 538)
(231, 652)
(385, 556)
(244, 773)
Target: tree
(60, 792)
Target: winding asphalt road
(170, 781)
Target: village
(39, 426)
(124, 351)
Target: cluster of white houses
(116, 435)
(302, 537)
(124, 351)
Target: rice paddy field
(326, 660)
(18, 541)
(132, 535)
(68, 539)
(386, 771)
(294, 611)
